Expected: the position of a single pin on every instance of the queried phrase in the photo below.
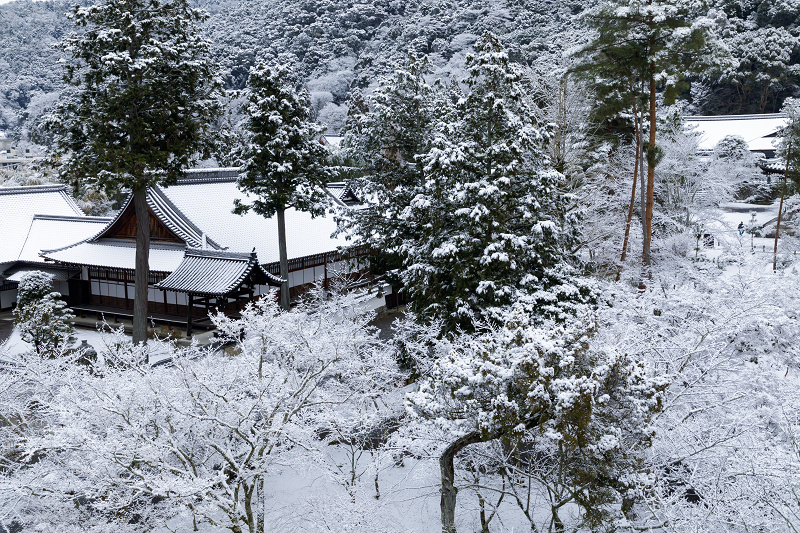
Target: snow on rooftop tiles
(215, 273)
(209, 205)
(118, 254)
(18, 205)
(754, 129)
(48, 232)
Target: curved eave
(210, 273)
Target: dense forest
(338, 46)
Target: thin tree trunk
(284, 260)
(633, 189)
(260, 506)
(651, 171)
(448, 471)
(142, 265)
(780, 210)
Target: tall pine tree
(285, 164)
(641, 48)
(142, 103)
(386, 139)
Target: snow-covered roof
(334, 141)
(114, 253)
(215, 273)
(199, 211)
(209, 205)
(19, 205)
(757, 130)
(47, 232)
(16, 272)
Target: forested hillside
(340, 45)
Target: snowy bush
(42, 318)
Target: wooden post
(189, 316)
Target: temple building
(202, 255)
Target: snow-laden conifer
(492, 227)
(41, 316)
(140, 107)
(285, 163)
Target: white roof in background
(754, 129)
(18, 205)
(48, 232)
(333, 140)
(114, 253)
(209, 206)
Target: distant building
(5, 142)
(9, 156)
(759, 131)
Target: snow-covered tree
(199, 439)
(42, 317)
(490, 221)
(139, 109)
(285, 165)
(571, 417)
(638, 48)
(385, 138)
(789, 145)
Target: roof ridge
(27, 236)
(222, 254)
(76, 218)
(194, 176)
(23, 189)
(159, 194)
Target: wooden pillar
(190, 301)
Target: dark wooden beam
(189, 316)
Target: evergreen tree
(386, 142)
(491, 225)
(789, 147)
(140, 109)
(285, 164)
(42, 318)
(642, 47)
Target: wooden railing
(311, 261)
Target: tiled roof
(175, 220)
(199, 175)
(774, 166)
(114, 253)
(210, 206)
(52, 231)
(18, 205)
(215, 273)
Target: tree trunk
(780, 210)
(142, 272)
(448, 470)
(284, 260)
(651, 170)
(633, 189)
